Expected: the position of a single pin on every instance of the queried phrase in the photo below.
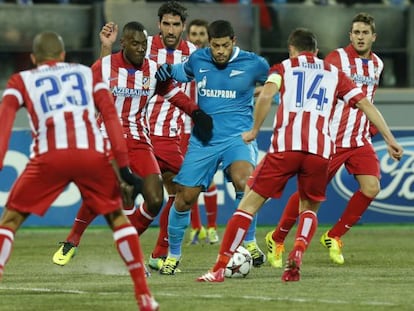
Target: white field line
(215, 296)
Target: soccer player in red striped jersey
(300, 145)
(61, 100)
(351, 131)
(166, 122)
(131, 78)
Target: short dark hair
(134, 26)
(174, 8)
(198, 22)
(364, 18)
(220, 29)
(303, 40)
(47, 45)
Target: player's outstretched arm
(375, 116)
(262, 108)
(178, 72)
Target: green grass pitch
(378, 274)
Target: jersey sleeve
(11, 102)
(175, 96)
(105, 104)
(348, 91)
(182, 72)
(262, 69)
(334, 59)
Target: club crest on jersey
(236, 73)
(146, 82)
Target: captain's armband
(276, 79)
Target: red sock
(356, 206)
(288, 219)
(142, 218)
(210, 201)
(233, 236)
(6, 246)
(308, 223)
(195, 217)
(82, 220)
(128, 246)
(161, 248)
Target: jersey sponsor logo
(203, 70)
(397, 182)
(217, 93)
(236, 73)
(361, 79)
(127, 92)
(203, 91)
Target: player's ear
(62, 56)
(33, 58)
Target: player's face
(198, 35)
(134, 45)
(362, 38)
(171, 28)
(221, 49)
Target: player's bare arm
(373, 114)
(262, 107)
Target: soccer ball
(240, 264)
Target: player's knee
(184, 201)
(240, 183)
(371, 190)
(154, 204)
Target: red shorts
(273, 172)
(141, 158)
(358, 161)
(168, 153)
(46, 176)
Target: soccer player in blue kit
(226, 78)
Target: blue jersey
(226, 94)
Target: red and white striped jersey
(308, 93)
(131, 88)
(61, 100)
(165, 119)
(350, 127)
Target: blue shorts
(202, 162)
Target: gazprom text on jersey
(217, 93)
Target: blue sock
(177, 224)
(251, 232)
